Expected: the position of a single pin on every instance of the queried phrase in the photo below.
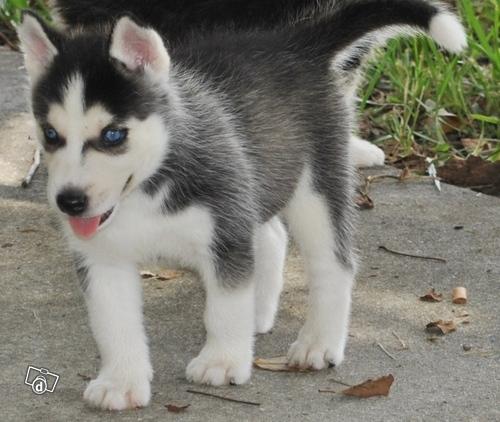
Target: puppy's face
(94, 101)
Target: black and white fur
(226, 133)
(177, 20)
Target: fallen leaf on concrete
(432, 296)
(370, 388)
(176, 409)
(459, 295)
(440, 327)
(364, 202)
(277, 364)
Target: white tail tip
(448, 32)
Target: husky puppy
(177, 20)
(190, 154)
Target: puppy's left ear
(139, 48)
(38, 42)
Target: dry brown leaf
(432, 296)
(440, 327)
(405, 174)
(277, 364)
(370, 388)
(459, 295)
(176, 409)
(364, 202)
(451, 123)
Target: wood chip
(440, 327)
(432, 296)
(370, 388)
(277, 364)
(174, 408)
(163, 275)
(459, 296)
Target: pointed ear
(139, 48)
(39, 50)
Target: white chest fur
(140, 232)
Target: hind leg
(364, 153)
(322, 234)
(270, 253)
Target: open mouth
(87, 227)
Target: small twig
(385, 351)
(84, 377)
(6, 40)
(384, 248)
(33, 168)
(403, 343)
(340, 382)
(203, 393)
(326, 390)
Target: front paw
(215, 366)
(119, 393)
(316, 351)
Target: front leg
(226, 357)
(114, 300)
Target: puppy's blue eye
(114, 136)
(51, 135)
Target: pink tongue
(84, 227)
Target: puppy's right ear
(36, 43)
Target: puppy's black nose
(72, 201)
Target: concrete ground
(44, 323)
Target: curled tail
(350, 21)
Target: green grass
(10, 11)
(420, 100)
(10, 16)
